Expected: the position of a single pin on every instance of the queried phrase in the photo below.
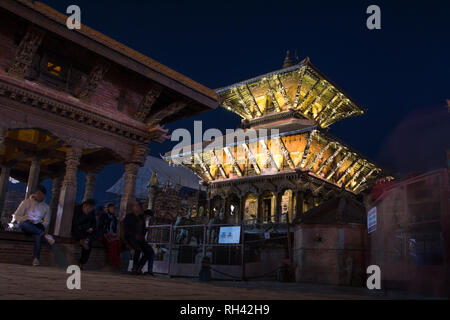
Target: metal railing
(180, 249)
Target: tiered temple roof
(295, 105)
(301, 88)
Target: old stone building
(75, 100)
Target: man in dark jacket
(134, 235)
(84, 228)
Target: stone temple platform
(27, 282)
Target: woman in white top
(33, 216)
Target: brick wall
(330, 254)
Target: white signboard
(229, 234)
(372, 220)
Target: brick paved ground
(26, 282)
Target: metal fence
(259, 251)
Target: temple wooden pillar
(278, 209)
(259, 216)
(129, 190)
(4, 179)
(208, 208)
(67, 197)
(33, 176)
(242, 209)
(3, 132)
(299, 199)
(91, 180)
(56, 191)
(131, 170)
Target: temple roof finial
(287, 61)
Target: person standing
(108, 230)
(33, 216)
(134, 236)
(84, 228)
(148, 216)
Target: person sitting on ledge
(33, 216)
(84, 228)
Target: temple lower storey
(269, 198)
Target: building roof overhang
(49, 19)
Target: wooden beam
(306, 150)
(308, 94)
(299, 87)
(219, 165)
(349, 168)
(159, 116)
(96, 76)
(26, 51)
(233, 161)
(338, 165)
(316, 99)
(327, 161)
(364, 179)
(250, 93)
(252, 158)
(319, 155)
(285, 153)
(344, 114)
(203, 166)
(236, 109)
(282, 89)
(331, 117)
(243, 103)
(356, 175)
(268, 154)
(321, 112)
(146, 103)
(271, 93)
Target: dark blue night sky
(400, 73)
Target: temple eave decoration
(327, 160)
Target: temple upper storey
(300, 90)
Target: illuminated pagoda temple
(276, 177)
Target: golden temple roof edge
(306, 62)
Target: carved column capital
(139, 154)
(33, 176)
(91, 181)
(73, 156)
(63, 223)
